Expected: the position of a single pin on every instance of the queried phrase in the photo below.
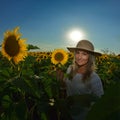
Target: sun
(76, 35)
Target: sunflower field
(30, 88)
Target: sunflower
(59, 56)
(14, 48)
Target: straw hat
(84, 45)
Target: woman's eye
(84, 53)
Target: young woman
(82, 78)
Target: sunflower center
(59, 56)
(11, 46)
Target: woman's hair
(89, 68)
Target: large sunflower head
(59, 56)
(13, 47)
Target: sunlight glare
(76, 35)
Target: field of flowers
(30, 88)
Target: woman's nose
(79, 56)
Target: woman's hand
(60, 76)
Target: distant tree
(32, 47)
(107, 51)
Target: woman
(82, 78)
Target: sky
(47, 23)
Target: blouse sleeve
(96, 86)
(68, 82)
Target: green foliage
(33, 88)
(107, 107)
(108, 69)
(30, 47)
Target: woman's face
(81, 57)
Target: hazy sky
(46, 23)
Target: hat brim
(72, 49)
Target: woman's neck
(81, 69)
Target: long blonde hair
(89, 68)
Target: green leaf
(6, 101)
(108, 104)
(21, 110)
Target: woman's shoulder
(95, 76)
(94, 73)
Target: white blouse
(77, 87)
